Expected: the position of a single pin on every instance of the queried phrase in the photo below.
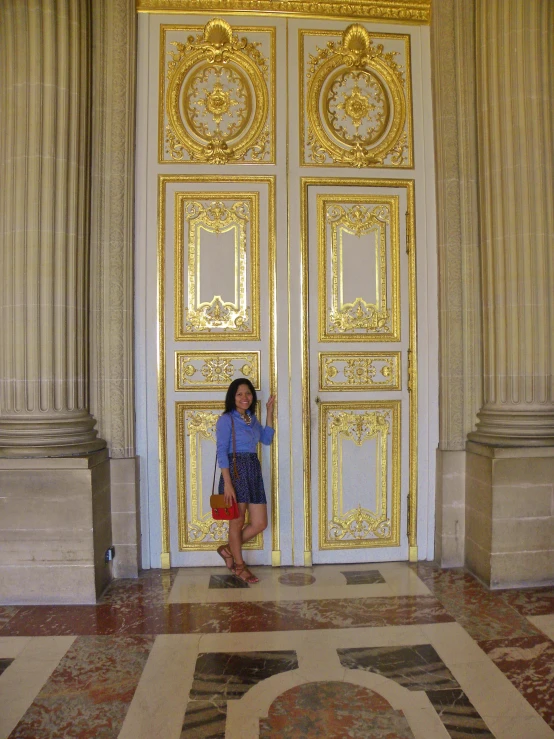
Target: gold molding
(216, 368)
(163, 180)
(248, 93)
(374, 318)
(217, 320)
(195, 529)
(416, 12)
(352, 53)
(409, 186)
(359, 371)
(360, 421)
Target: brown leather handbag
(221, 511)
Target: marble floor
(384, 651)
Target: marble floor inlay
(365, 577)
(420, 668)
(334, 710)
(227, 581)
(4, 664)
(384, 650)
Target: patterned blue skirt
(250, 485)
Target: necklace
(246, 418)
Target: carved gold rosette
(205, 370)
(356, 100)
(218, 95)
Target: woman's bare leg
(258, 521)
(235, 538)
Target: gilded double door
(281, 168)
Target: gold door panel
(359, 297)
(217, 229)
(355, 105)
(217, 94)
(195, 454)
(360, 371)
(204, 370)
(359, 493)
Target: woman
(241, 474)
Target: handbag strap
(234, 449)
(234, 456)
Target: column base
(55, 529)
(66, 434)
(496, 427)
(509, 539)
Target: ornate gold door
(284, 173)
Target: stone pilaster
(44, 202)
(515, 58)
(510, 456)
(453, 69)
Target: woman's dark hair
(232, 391)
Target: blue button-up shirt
(247, 437)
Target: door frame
(147, 301)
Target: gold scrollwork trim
(409, 186)
(385, 11)
(359, 320)
(217, 319)
(359, 371)
(360, 422)
(353, 53)
(196, 420)
(205, 370)
(218, 94)
(163, 181)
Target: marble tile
(6, 613)
(89, 692)
(276, 584)
(363, 577)
(484, 614)
(528, 663)
(532, 602)
(12, 646)
(223, 676)
(205, 720)
(420, 668)
(228, 675)
(297, 579)
(5, 662)
(545, 624)
(158, 705)
(27, 674)
(227, 581)
(333, 710)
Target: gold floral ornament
(217, 314)
(217, 98)
(360, 314)
(359, 523)
(356, 103)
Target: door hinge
(410, 370)
(408, 516)
(408, 234)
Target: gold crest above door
(217, 92)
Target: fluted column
(515, 59)
(45, 48)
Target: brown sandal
(241, 569)
(225, 554)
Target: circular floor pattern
(333, 710)
(297, 579)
